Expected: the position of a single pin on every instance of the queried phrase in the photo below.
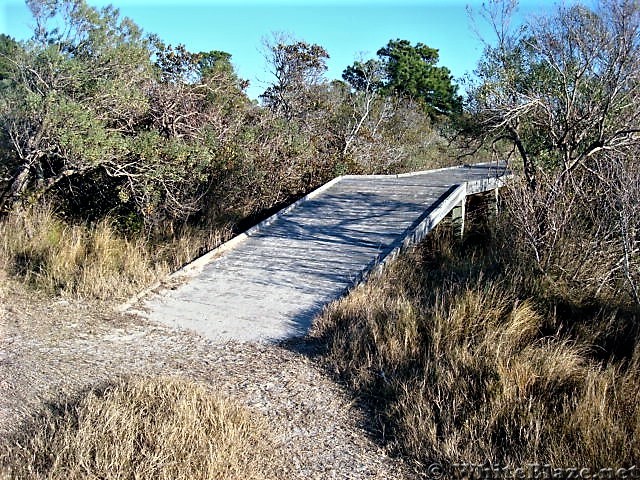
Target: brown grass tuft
(164, 428)
(460, 368)
(73, 259)
(92, 261)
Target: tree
(365, 76)
(366, 79)
(298, 68)
(69, 93)
(564, 88)
(408, 71)
(9, 49)
(562, 93)
(388, 120)
(88, 110)
(411, 71)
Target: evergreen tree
(409, 71)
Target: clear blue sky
(345, 28)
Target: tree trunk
(18, 186)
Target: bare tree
(563, 88)
(365, 78)
(562, 94)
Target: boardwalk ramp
(270, 282)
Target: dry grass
(177, 250)
(163, 428)
(460, 367)
(73, 259)
(91, 261)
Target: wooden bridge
(268, 283)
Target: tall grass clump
(462, 361)
(143, 428)
(80, 260)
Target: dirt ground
(53, 347)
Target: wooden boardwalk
(269, 283)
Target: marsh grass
(143, 428)
(461, 364)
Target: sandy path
(50, 348)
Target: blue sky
(346, 29)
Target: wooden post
(458, 214)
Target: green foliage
(103, 121)
(214, 61)
(362, 76)
(9, 49)
(561, 93)
(411, 71)
(80, 134)
(561, 89)
(87, 102)
(73, 95)
(408, 71)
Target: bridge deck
(272, 283)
